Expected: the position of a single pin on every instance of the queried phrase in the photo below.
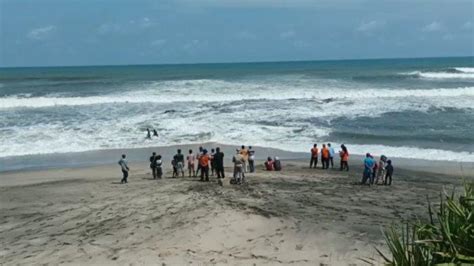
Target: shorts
(179, 167)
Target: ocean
(411, 108)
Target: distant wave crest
(223, 91)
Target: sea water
(412, 108)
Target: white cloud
(432, 27)
(41, 33)
(468, 25)
(370, 26)
(287, 34)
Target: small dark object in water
(328, 100)
(170, 111)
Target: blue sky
(103, 32)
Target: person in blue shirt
(331, 155)
(369, 163)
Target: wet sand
(300, 216)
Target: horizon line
(238, 62)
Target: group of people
(327, 154)
(244, 162)
(148, 133)
(375, 172)
(272, 164)
(203, 161)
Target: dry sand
(299, 216)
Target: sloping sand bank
(299, 216)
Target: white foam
(443, 75)
(222, 91)
(465, 69)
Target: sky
(118, 32)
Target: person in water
(159, 167)
(251, 160)
(179, 161)
(344, 154)
(277, 164)
(331, 155)
(219, 163)
(314, 156)
(191, 158)
(368, 168)
(153, 164)
(148, 134)
(269, 165)
(124, 166)
(155, 133)
(388, 173)
(204, 162)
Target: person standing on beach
(123, 164)
(245, 156)
(212, 163)
(197, 158)
(159, 167)
(238, 161)
(179, 162)
(190, 158)
(331, 155)
(204, 162)
(153, 164)
(325, 157)
(251, 160)
(219, 163)
(368, 168)
(388, 173)
(344, 154)
(314, 156)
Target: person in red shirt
(314, 156)
(204, 163)
(344, 158)
(325, 157)
(269, 164)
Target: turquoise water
(414, 108)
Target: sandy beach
(300, 216)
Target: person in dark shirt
(277, 164)
(153, 164)
(179, 163)
(219, 163)
(155, 133)
(388, 172)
